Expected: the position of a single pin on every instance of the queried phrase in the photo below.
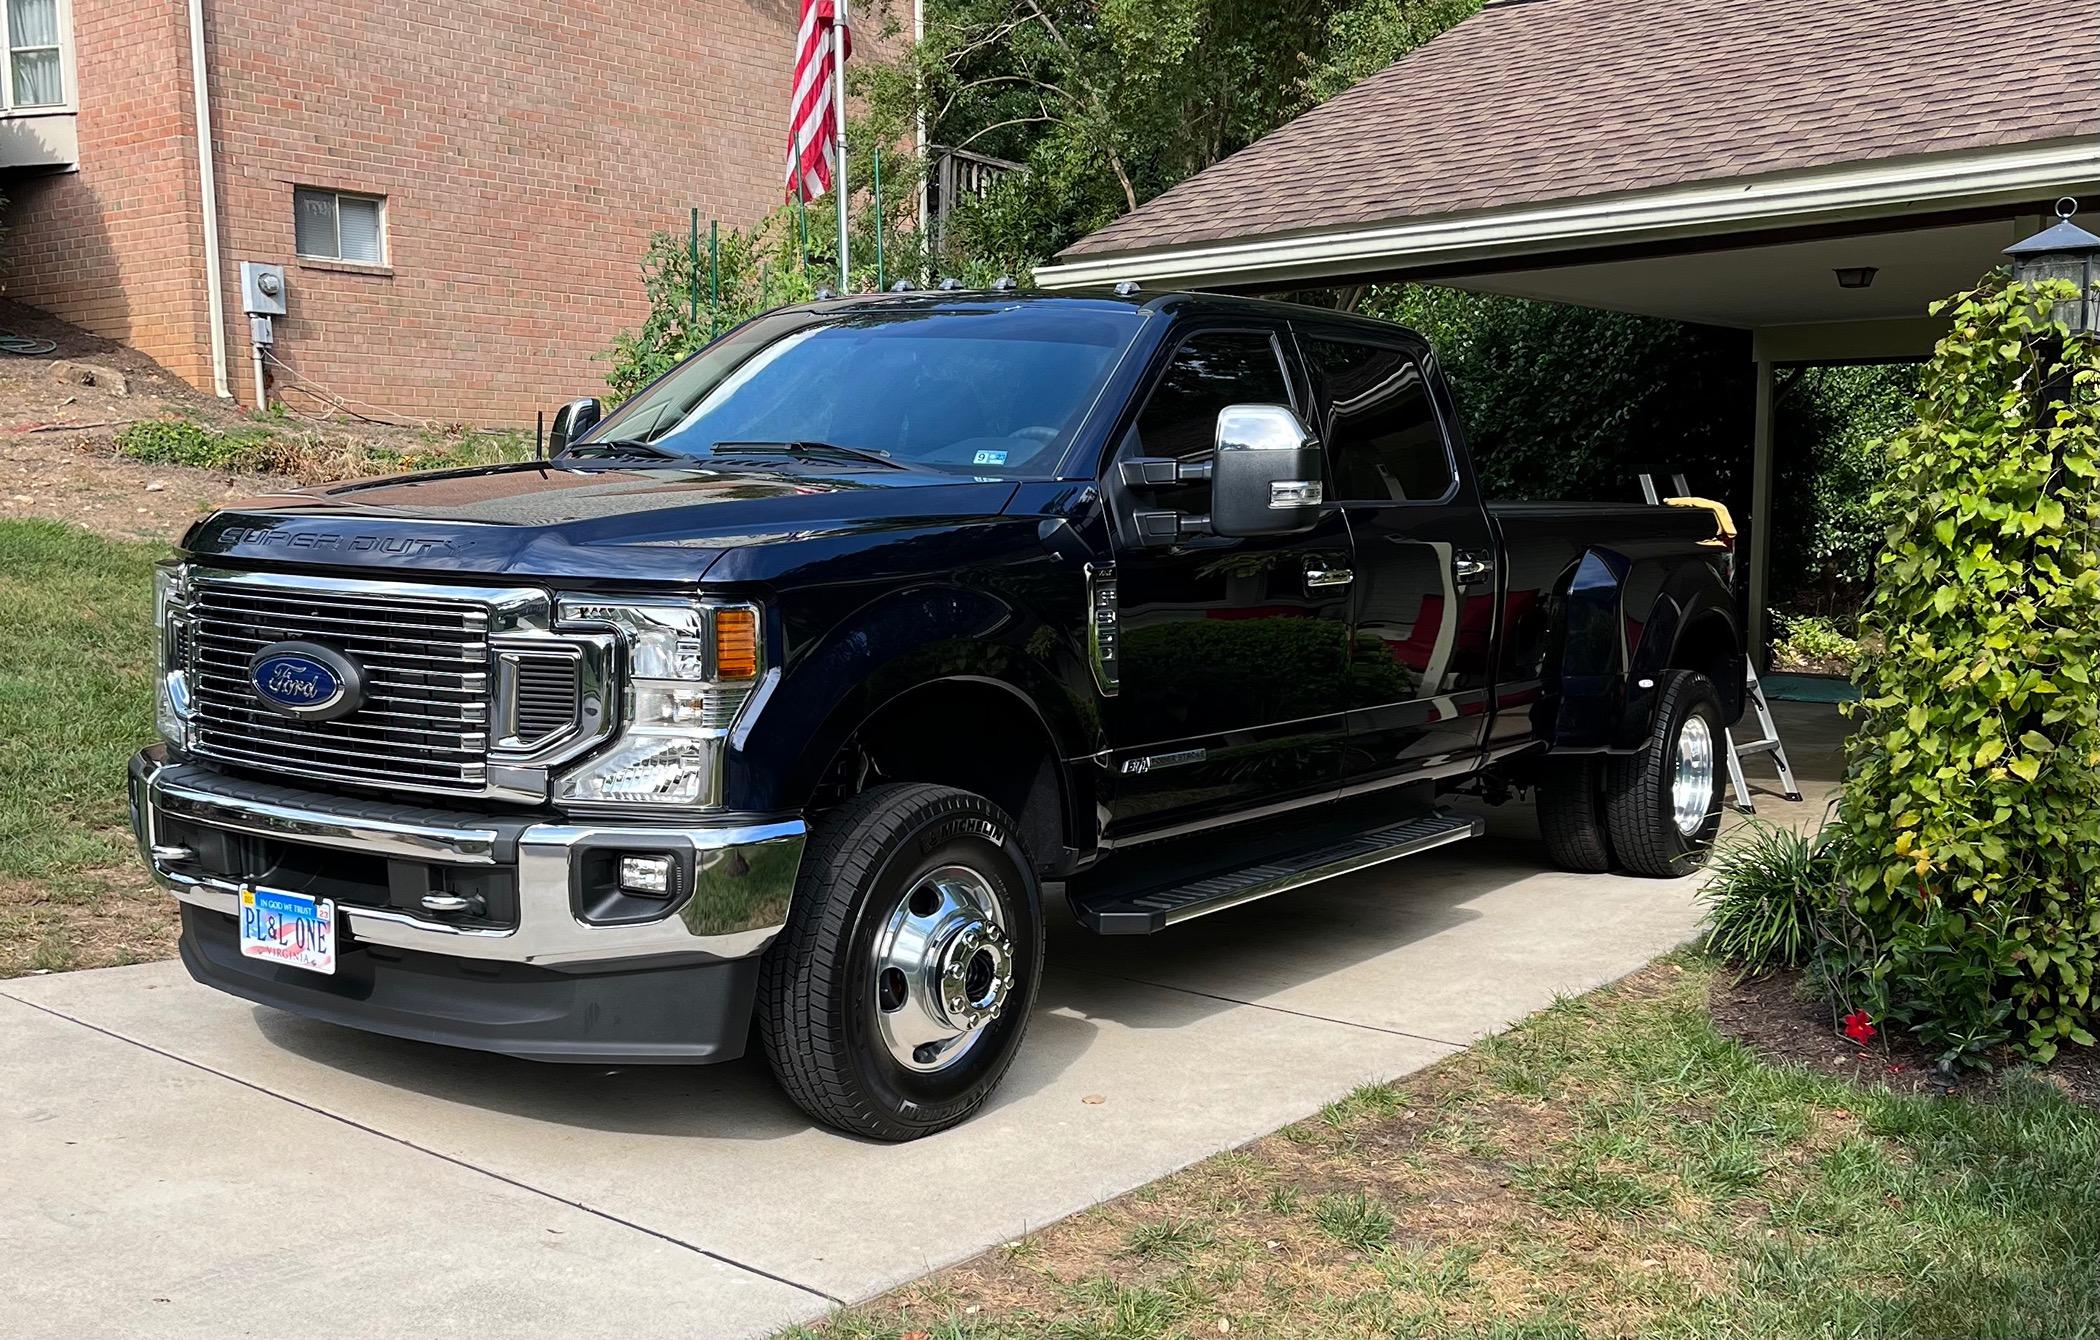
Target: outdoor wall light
(1856, 276)
(2062, 251)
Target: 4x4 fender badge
(1132, 766)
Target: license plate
(288, 928)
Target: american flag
(812, 128)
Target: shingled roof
(1532, 101)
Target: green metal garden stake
(692, 285)
(714, 276)
(876, 162)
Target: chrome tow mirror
(571, 422)
(1265, 476)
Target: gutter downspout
(214, 297)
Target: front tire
(1663, 804)
(895, 998)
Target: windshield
(995, 391)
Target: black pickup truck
(780, 695)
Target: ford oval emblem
(306, 679)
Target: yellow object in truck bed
(1724, 522)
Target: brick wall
(115, 247)
(526, 149)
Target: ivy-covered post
(1969, 827)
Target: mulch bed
(1776, 1017)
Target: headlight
(691, 668)
(171, 652)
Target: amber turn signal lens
(736, 644)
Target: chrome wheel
(1692, 784)
(944, 968)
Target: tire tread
(1571, 815)
(810, 1054)
(1643, 831)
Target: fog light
(648, 875)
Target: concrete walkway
(177, 1162)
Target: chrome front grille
(424, 722)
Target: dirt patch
(78, 478)
(92, 919)
(61, 415)
(1776, 1016)
(58, 437)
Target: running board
(1147, 911)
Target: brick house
(459, 192)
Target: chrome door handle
(1470, 567)
(1318, 576)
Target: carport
(1812, 172)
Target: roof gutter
(207, 187)
(1859, 191)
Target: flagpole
(838, 109)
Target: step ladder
(1767, 741)
(1144, 911)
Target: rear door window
(1383, 435)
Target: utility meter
(262, 289)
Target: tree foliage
(1970, 824)
(1570, 402)
(1110, 102)
(1829, 424)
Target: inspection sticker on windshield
(990, 458)
(288, 928)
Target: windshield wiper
(816, 451)
(627, 446)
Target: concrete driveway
(177, 1162)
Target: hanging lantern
(2063, 251)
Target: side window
(1208, 373)
(1383, 435)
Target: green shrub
(187, 442)
(256, 448)
(1812, 639)
(1770, 890)
(1970, 841)
(782, 259)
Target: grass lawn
(1613, 1166)
(76, 623)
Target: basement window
(336, 226)
(36, 75)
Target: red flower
(1859, 1027)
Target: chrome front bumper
(743, 874)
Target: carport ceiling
(1777, 283)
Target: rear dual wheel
(1653, 813)
(894, 1000)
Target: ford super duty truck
(779, 696)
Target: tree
(1829, 424)
(1569, 402)
(1110, 102)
